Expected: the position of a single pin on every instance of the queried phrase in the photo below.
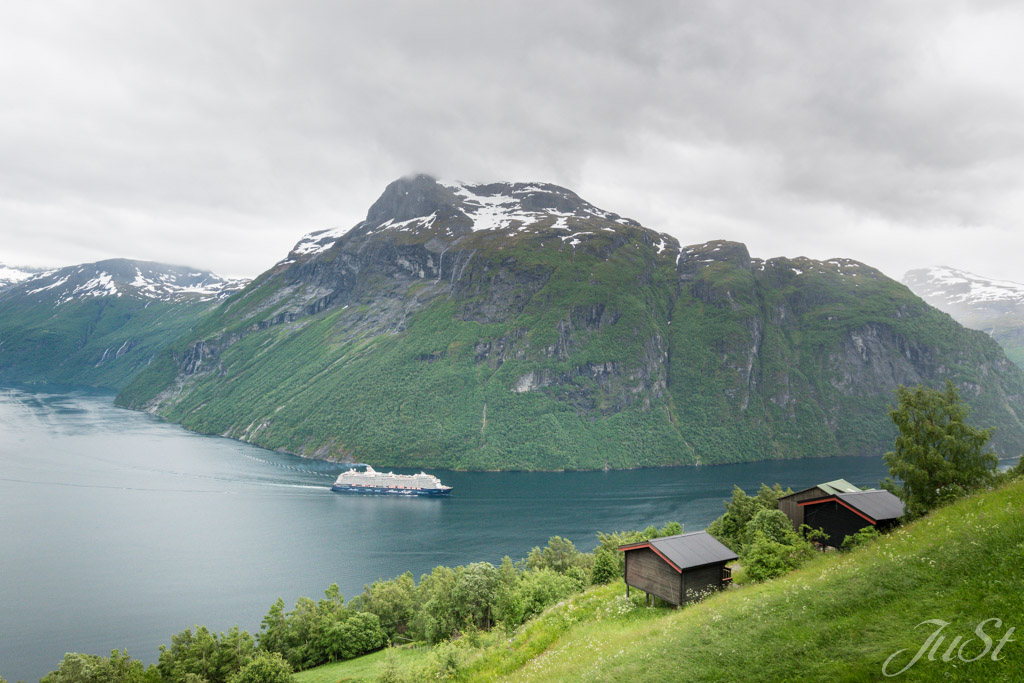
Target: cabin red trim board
(848, 507)
(637, 546)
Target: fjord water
(117, 529)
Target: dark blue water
(117, 529)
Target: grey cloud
(217, 133)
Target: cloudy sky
(215, 134)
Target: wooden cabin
(844, 514)
(790, 504)
(678, 569)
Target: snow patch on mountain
(10, 275)
(500, 206)
(101, 285)
(316, 242)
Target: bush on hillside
(205, 655)
(766, 559)
(118, 668)
(865, 535)
(265, 667)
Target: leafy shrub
(766, 559)
(265, 667)
(558, 555)
(732, 527)
(318, 632)
(865, 535)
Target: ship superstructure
(373, 482)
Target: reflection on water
(119, 529)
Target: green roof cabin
(790, 504)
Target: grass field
(838, 618)
(361, 668)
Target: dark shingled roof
(686, 551)
(878, 505)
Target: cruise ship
(373, 482)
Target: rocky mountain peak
(421, 204)
(408, 198)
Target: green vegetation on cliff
(594, 344)
(98, 342)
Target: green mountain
(516, 326)
(98, 324)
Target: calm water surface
(117, 529)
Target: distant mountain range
(995, 307)
(517, 326)
(99, 323)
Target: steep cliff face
(517, 326)
(805, 354)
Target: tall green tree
(558, 555)
(937, 455)
(394, 603)
(732, 528)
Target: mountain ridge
(121, 276)
(561, 336)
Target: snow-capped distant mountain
(98, 324)
(979, 300)
(124, 277)
(10, 275)
(992, 306)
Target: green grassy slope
(97, 341)
(838, 618)
(364, 668)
